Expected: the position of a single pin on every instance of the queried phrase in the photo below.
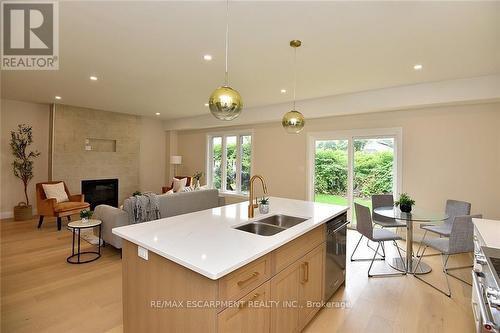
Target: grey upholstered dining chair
(453, 208)
(384, 200)
(365, 227)
(460, 240)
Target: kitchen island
(197, 273)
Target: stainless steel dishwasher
(335, 263)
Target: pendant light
(293, 121)
(225, 102)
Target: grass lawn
(331, 199)
(339, 200)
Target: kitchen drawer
(251, 315)
(292, 251)
(240, 282)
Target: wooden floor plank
(41, 292)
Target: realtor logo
(30, 35)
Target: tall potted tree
(22, 165)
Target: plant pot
(264, 209)
(405, 208)
(23, 212)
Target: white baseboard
(10, 214)
(6, 215)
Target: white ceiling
(148, 55)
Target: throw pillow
(170, 192)
(55, 191)
(188, 189)
(179, 184)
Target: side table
(77, 226)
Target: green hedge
(372, 172)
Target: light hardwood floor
(40, 292)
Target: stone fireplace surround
(72, 162)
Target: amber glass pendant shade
(225, 103)
(293, 122)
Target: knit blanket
(142, 208)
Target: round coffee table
(78, 226)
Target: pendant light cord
(294, 74)
(226, 76)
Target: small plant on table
(85, 215)
(405, 203)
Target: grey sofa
(169, 204)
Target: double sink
(271, 225)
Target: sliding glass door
(331, 172)
(349, 167)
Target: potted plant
(136, 193)
(22, 166)
(264, 205)
(85, 215)
(197, 176)
(405, 203)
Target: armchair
(165, 189)
(50, 207)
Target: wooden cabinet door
(312, 277)
(250, 316)
(285, 295)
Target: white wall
(448, 152)
(423, 95)
(36, 115)
(152, 156)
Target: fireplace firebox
(100, 192)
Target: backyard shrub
(331, 171)
(372, 172)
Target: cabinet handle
(305, 268)
(251, 277)
(244, 304)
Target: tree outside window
(230, 160)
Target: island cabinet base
(278, 292)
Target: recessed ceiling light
(283, 91)
(93, 78)
(58, 97)
(206, 104)
(418, 67)
(207, 57)
(157, 113)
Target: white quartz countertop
(489, 231)
(207, 243)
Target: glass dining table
(419, 216)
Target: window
(229, 162)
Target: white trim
(396, 132)
(6, 215)
(10, 214)
(209, 157)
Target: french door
(350, 166)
